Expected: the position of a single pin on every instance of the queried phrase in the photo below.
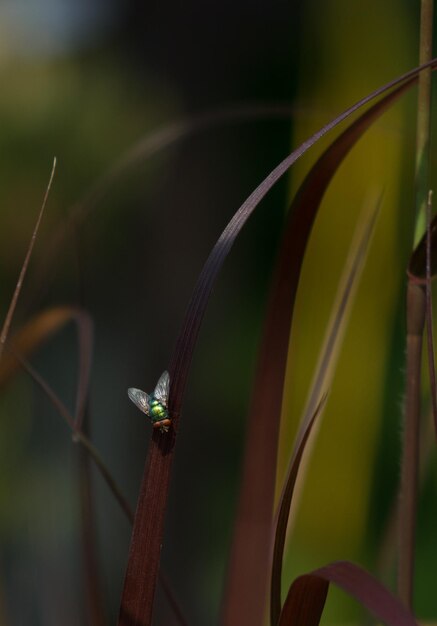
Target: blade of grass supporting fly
(249, 563)
(13, 304)
(144, 553)
(306, 597)
(322, 380)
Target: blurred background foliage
(84, 81)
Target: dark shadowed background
(82, 82)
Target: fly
(154, 405)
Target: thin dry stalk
(13, 304)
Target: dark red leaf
(306, 597)
(305, 602)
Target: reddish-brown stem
(429, 316)
(416, 306)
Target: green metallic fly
(155, 405)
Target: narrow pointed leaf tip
(307, 595)
(10, 314)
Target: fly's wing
(140, 398)
(162, 389)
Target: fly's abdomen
(157, 411)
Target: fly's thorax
(158, 412)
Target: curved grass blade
(322, 380)
(249, 566)
(13, 304)
(306, 597)
(143, 561)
